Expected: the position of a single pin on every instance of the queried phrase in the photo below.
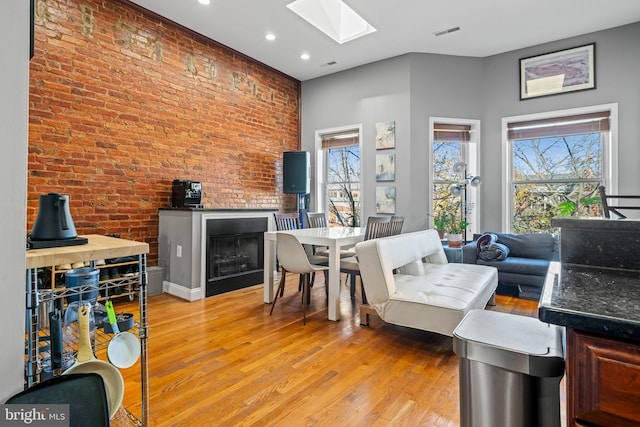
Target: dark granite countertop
(593, 299)
(203, 209)
(628, 224)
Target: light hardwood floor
(223, 361)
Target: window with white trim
(555, 165)
(454, 141)
(338, 176)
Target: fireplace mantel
(182, 246)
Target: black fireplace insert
(235, 254)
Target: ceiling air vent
(443, 32)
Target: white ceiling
(487, 27)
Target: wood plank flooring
(224, 361)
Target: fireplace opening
(235, 254)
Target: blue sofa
(522, 272)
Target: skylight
(332, 17)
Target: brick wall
(122, 103)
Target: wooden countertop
(99, 247)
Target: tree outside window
(454, 140)
(343, 185)
(445, 154)
(557, 164)
(555, 176)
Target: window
(555, 165)
(338, 176)
(454, 141)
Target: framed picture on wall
(385, 135)
(568, 70)
(386, 200)
(385, 167)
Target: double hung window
(555, 166)
(454, 141)
(338, 179)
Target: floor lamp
(460, 189)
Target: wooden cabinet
(603, 380)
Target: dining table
(334, 238)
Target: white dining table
(334, 238)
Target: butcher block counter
(98, 247)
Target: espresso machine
(186, 193)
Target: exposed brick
(121, 104)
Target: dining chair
(293, 259)
(290, 222)
(316, 219)
(319, 219)
(377, 227)
(286, 222)
(396, 225)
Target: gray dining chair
(293, 259)
(286, 222)
(396, 223)
(319, 219)
(316, 219)
(377, 226)
(291, 222)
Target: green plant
(568, 208)
(456, 225)
(440, 220)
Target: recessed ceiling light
(332, 17)
(270, 36)
(305, 56)
(204, 1)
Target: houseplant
(455, 227)
(440, 223)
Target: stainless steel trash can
(510, 370)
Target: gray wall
(374, 93)
(617, 70)
(14, 97)
(407, 89)
(441, 86)
(411, 88)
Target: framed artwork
(385, 167)
(385, 135)
(568, 70)
(386, 200)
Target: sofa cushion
(517, 265)
(438, 300)
(528, 245)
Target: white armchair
(409, 282)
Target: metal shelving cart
(98, 248)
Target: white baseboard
(181, 292)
